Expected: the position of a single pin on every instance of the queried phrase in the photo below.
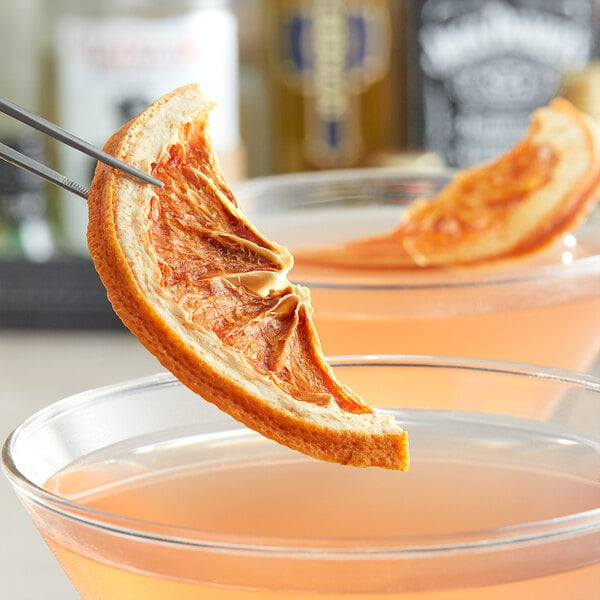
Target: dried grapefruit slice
(507, 208)
(207, 294)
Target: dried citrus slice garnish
(208, 295)
(515, 205)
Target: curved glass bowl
(543, 310)
(143, 490)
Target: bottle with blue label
(336, 80)
(485, 65)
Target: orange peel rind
(515, 205)
(208, 295)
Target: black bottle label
(487, 65)
(22, 194)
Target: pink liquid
(563, 335)
(275, 493)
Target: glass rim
(413, 546)
(448, 279)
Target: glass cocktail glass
(143, 490)
(540, 310)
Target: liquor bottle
(112, 58)
(336, 80)
(582, 88)
(486, 64)
(25, 230)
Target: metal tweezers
(20, 160)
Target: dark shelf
(59, 294)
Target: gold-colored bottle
(336, 73)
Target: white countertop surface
(36, 369)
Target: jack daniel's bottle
(336, 72)
(486, 64)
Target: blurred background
(299, 85)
